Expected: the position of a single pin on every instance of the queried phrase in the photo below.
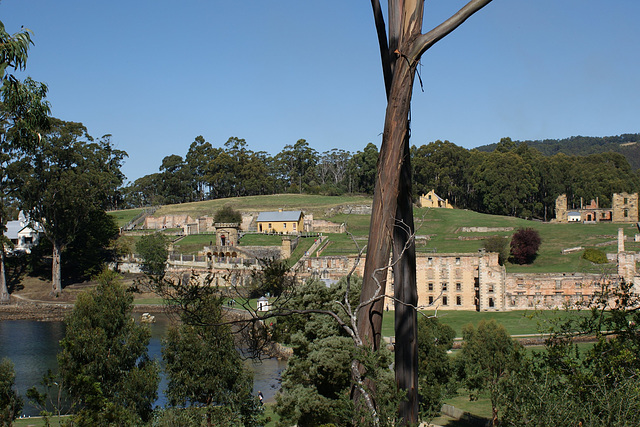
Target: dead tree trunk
(392, 213)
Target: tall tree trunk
(385, 202)
(4, 290)
(56, 271)
(392, 211)
(406, 294)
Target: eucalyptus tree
(23, 111)
(362, 170)
(296, 162)
(199, 154)
(67, 185)
(392, 212)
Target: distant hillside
(627, 144)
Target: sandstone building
(624, 209)
(432, 200)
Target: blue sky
(155, 74)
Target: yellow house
(432, 200)
(285, 222)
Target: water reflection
(32, 347)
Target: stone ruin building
(475, 281)
(624, 209)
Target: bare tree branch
(426, 41)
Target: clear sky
(155, 73)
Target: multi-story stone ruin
(624, 209)
(476, 281)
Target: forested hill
(627, 144)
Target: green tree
(175, 180)
(505, 184)
(199, 154)
(67, 182)
(435, 371)
(104, 360)
(441, 166)
(566, 386)
(297, 162)
(227, 214)
(23, 112)
(221, 381)
(10, 402)
(316, 385)
(497, 244)
(488, 355)
(362, 170)
(153, 249)
(525, 243)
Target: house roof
(279, 216)
(437, 197)
(13, 228)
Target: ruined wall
(625, 207)
(549, 290)
(561, 209)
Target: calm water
(32, 347)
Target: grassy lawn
(39, 422)
(256, 239)
(124, 216)
(310, 203)
(270, 414)
(194, 243)
(519, 322)
(437, 230)
(303, 246)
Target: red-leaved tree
(524, 245)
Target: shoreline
(43, 311)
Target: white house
(573, 216)
(263, 304)
(22, 235)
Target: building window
(490, 289)
(284, 225)
(458, 261)
(444, 286)
(491, 302)
(269, 226)
(444, 300)
(458, 287)
(430, 300)
(430, 261)
(294, 226)
(626, 213)
(458, 300)
(431, 286)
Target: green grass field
(124, 216)
(437, 230)
(309, 203)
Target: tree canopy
(67, 184)
(104, 359)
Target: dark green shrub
(596, 256)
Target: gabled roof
(13, 228)
(279, 216)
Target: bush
(497, 244)
(153, 250)
(524, 245)
(227, 214)
(596, 256)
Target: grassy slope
(436, 229)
